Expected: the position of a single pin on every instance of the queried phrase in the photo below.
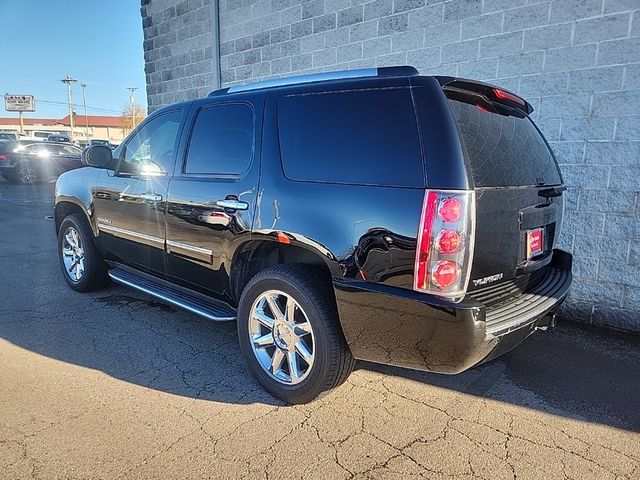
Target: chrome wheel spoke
(263, 341)
(263, 319)
(294, 372)
(70, 240)
(304, 352)
(67, 252)
(303, 328)
(275, 309)
(276, 361)
(291, 310)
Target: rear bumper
(400, 327)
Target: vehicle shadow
(574, 371)
(571, 372)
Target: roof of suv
(363, 73)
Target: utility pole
(68, 80)
(86, 119)
(132, 102)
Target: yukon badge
(489, 279)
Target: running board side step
(180, 297)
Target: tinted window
(42, 149)
(501, 146)
(70, 151)
(150, 150)
(360, 137)
(30, 148)
(221, 141)
(7, 147)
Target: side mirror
(98, 156)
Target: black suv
(372, 214)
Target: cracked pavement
(117, 385)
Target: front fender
(75, 187)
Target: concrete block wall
(178, 49)
(576, 61)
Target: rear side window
(359, 137)
(501, 145)
(222, 140)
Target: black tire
(333, 360)
(25, 173)
(95, 269)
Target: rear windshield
(366, 137)
(501, 146)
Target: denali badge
(485, 280)
(104, 220)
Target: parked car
(38, 136)
(8, 137)
(59, 138)
(40, 161)
(97, 141)
(372, 214)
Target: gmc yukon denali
(372, 214)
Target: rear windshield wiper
(552, 192)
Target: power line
(78, 106)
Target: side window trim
(181, 170)
(135, 131)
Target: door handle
(151, 197)
(233, 204)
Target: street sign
(19, 103)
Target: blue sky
(98, 42)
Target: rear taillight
(508, 97)
(445, 243)
(4, 157)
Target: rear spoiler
(490, 92)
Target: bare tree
(132, 115)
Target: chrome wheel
(73, 254)
(26, 174)
(281, 337)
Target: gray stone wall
(576, 61)
(178, 49)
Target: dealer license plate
(535, 242)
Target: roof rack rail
(321, 77)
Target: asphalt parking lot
(116, 385)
